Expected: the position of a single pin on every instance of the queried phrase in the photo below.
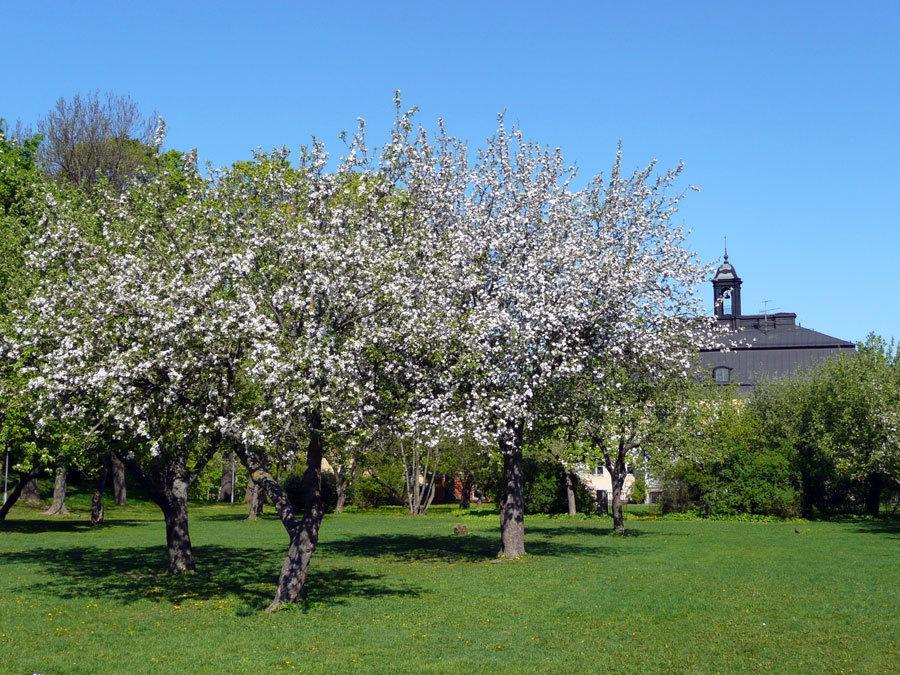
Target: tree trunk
(255, 498)
(617, 477)
(167, 481)
(571, 484)
(178, 539)
(512, 507)
(97, 513)
(873, 494)
(226, 484)
(31, 493)
(58, 507)
(120, 492)
(305, 537)
(342, 482)
(466, 491)
(17, 490)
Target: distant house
(761, 346)
(598, 481)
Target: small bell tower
(726, 290)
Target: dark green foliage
(732, 468)
(838, 423)
(206, 486)
(370, 493)
(821, 442)
(543, 481)
(18, 171)
(638, 490)
(747, 480)
(545, 488)
(292, 486)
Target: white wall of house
(598, 478)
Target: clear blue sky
(786, 114)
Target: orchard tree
(30, 449)
(593, 287)
(520, 287)
(641, 333)
(131, 331)
(855, 415)
(339, 272)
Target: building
(761, 346)
(599, 483)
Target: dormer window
(722, 375)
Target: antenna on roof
(765, 314)
(766, 309)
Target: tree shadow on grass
(574, 530)
(450, 548)
(479, 513)
(231, 517)
(884, 523)
(881, 525)
(248, 577)
(37, 526)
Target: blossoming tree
(641, 338)
(337, 270)
(131, 332)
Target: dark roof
(770, 346)
(726, 271)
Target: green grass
(393, 592)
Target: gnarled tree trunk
(617, 478)
(571, 486)
(120, 492)
(178, 539)
(31, 493)
(512, 506)
(305, 537)
(255, 498)
(167, 481)
(58, 507)
(466, 491)
(873, 494)
(226, 484)
(16, 493)
(343, 477)
(97, 511)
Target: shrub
(542, 487)
(545, 488)
(292, 489)
(758, 481)
(368, 493)
(638, 491)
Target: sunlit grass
(395, 592)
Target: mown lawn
(392, 592)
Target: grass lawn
(393, 592)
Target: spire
(726, 249)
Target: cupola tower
(727, 291)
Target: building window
(722, 375)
